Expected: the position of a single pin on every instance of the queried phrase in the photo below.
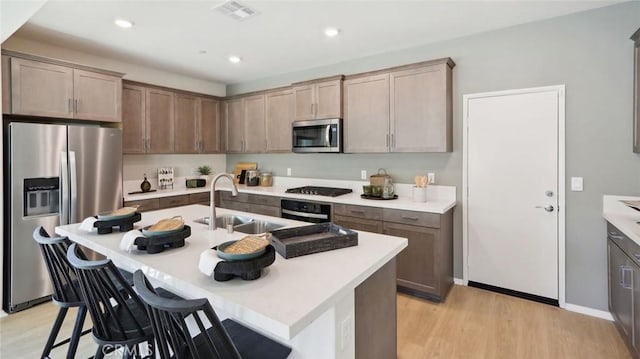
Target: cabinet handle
(357, 212)
(75, 106)
(410, 218)
(393, 141)
(387, 141)
(614, 235)
(69, 106)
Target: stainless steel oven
(313, 212)
(317, 136)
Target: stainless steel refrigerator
(54, 174)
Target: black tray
(249, 269)
(395, 196)
(157, 244)
(322, 237)
(124, 224)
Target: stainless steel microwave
(317, 135)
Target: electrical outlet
(431, 177)
(577, 184)
(288, 171)
(363, 174)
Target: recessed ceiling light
(125, 24)
(331, 32)
(234, 59)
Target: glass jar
(266, 179)
(387, 188)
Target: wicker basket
(379, 178)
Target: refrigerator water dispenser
(41, 196)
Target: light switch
(576, 184)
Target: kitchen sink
(224, 220)
(257, 226)
(242, 224)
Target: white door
(512, 177)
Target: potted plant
(204, 171)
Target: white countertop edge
(621, 216)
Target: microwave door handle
(327, 136)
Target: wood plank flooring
(473, 323)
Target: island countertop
(289, 296)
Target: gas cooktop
(320, 191)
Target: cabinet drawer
(628, 246)
(237, 206)
(264, 200)
(144, 204)
(358, 211)
(227, 196)
(265, 210)
(409, 217)
(199, 197)
(173, 201)
(358, 224)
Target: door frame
(560, 92)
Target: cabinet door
(280, 113)
(235, 125)
(620, 288)
(366, 114)
(145, 205)
(159, 114)
(41, 89)
(133, 119)
(254, 138)
(420, 120)
(186, 123)
(6, 84)
(210, 126)
(97, 96)
(304, 98)
(416, 264)
(328, 102)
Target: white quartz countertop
(291, 293)
(623, 217)
(440, 199)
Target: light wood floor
(473, 323)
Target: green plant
(204, 170)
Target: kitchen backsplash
(184, 166)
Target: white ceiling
(286, 36)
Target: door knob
(548, 208)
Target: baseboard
(589, 311)
(3, 314)
(458, 281)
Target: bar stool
(66, 291)
(119, 317)
(227, 339)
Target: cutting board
(243, 166)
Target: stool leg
(62, 312)
(77, 332)
(99, 352)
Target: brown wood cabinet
(145, 205)
(425, 267)
(51, 88)
(159, 114)
(252, 203)
(254, 129)
(279, 107)
(210, 126)
(318, 99)
(134, 121)
(636, 93)
(6, 84)
(153, 204)
(187, 123)
(234, 119)
(404, 109)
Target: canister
(266, 179)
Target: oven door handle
(305, 214)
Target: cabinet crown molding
(60, 62)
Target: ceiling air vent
(236, 10)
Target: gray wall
(589, 52)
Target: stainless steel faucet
(212, 198)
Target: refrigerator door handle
(73, 181)
(64, 193)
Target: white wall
(132, 72)
(14, 14)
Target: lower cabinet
(425, 267)
(624, 286)
(252, 203)
(153, 204)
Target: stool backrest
(117, 312)
(66, 290)
(169, 320)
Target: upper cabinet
(405, 109)
(53, 89)
(318, 99)
(636, 93)
(280, 108)
(158, 120)
(245, 124)
(234, 118)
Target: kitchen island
(335, 304)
